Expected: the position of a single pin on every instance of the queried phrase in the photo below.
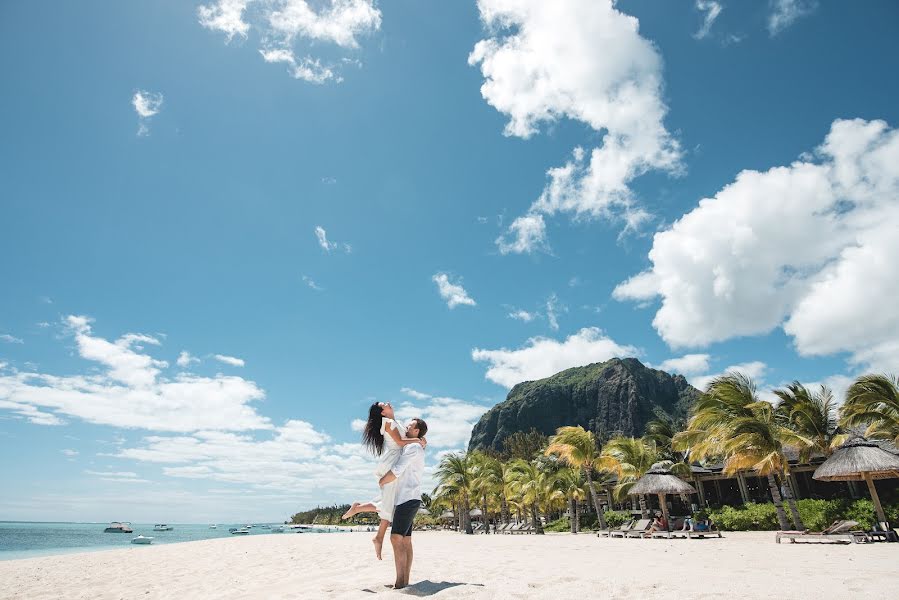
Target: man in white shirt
(408, 472)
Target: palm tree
(729, 421)
(873, 401)
(536, 489)
(812, 415)
(488, 481)
(629, 458)
(571, 483)
(577, 448)
(661, 432)
(456, 479)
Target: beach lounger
(503, 528)
(677, 530)
(882, 532)
(839, 532)
(639, 528)
(517, 528)
(616, 532)
(712, 531)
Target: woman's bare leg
(357, 508)
(378, 540)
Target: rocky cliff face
(616, 396)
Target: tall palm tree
(873, 401)
(629, 458)
(812, 415)
(456, 477)
(577, 448)
(488, 481)
(729, 421)
(571, 482)
(661, 432)
(536, 489)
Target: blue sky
(229, 226)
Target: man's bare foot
(379, 543)
(350, 512)
(398, 586)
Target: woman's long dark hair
(372, 438)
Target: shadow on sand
(427, 588)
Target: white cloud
(43, 324)
(322, 236)
(522, 315)
(553, 308)
(230, 360)
(688, 364)
(415, 393)
(146, 105)
(785, 12)
(311, 283)
(755, 370)
(449, 420)
(583, 60)
(541, 357)
(117, 476)
(810, 247)
(283, 26)
(358, 424)
(129, 391)
(711, 9)
(185, 359)
(10, 339)
(69, 452)
(454, 294)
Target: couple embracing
(399, 473)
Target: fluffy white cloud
(454, 294)
(358, 424)
(415, 393)
(785, 12)
(689, 364)
(129, 391)
(522, 315)
(117, 476)
(583, 60)
(10, 339)
(541, 357)
(711, 9)
(230, 360)
(322, 236)
(755, 370)
(449, 420)
(283, 25)
(69, 452)
(146, 104)
(185, 359)
(809, 246)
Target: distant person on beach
(406, 474)
(386, 439)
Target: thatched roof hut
(659, 480)
(860, 459)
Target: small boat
(243, 531)
(247, 526)
(162, 527)
(277, 529)
(116, 527)
(213, 527)
(142, 540)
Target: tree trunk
(644, 509)
(504, 510)
(778, 503)
(791, 502)
(485, 518)
(572, 519)
(664, 506)
(535, 514)
(577, 517)
(466, 517)
(599, 514)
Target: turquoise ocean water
(24, 540)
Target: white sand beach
(449, 565)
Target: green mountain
(616, 396)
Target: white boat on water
(142, 540)
(117, 527)
(162, 527)
(242, 531)
(213, 527)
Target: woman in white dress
(385, 438)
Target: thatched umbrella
(860, 459)
(447, 515)
(659, 480)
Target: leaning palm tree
(535, 488)
(630, 458)
(455, 476)
(729, 421)
(873, 402)
(813, 415)
(577, 448)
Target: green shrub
(749, 517)
(819, 514)
(558, 525)
(863, 511)
(616, 518)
